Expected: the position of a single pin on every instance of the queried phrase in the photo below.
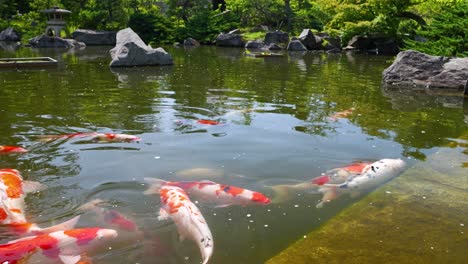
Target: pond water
(275, 127)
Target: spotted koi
(64, 246)
(221, 194)
(189, 220)
(13, 190)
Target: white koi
(189, 221)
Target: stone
(334, 51)
(417, 70)
(230, 40)
(44, 41)
(191, 42)
(376, 43)
(296, 45)
(274, 46)
(94, 37)
(10, 45)
(310, 41)
(276, 37)
(254, 44)
(9, 34)
(130, 50)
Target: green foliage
(152, 27)
(447, 34)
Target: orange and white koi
(189, 221)
(12, 193)
(333, 176)
(11, 149)
(223, 195)
(67, 246)
(371, 176)
(342, 114)
(110, 216)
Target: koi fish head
(13, 182)
(376, 173)
(12, 149)
(260, 198)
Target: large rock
(418, 70)
(230, 40)
(130, 50)
(277, 37)
(296, 45)
(94, 37)
(254, 44)
(9, 34)
(191, 42)
(379, 44)
(310, 41)
(44, 41)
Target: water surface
(275, 128)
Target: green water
(275, 129)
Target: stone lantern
(55, 20)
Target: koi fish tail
(155, 185)
(329, 194)
(70, 224)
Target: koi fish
(372, 175)
(189, 221)
(47, 138)
(11, 149)
(208, 122)
(12, 193)
(333, 176)
(342, 114)
(224, 195)
(101, 137)
(65, 246)
(109, 216)
(110, 137)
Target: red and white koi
(371, 176)
(46, 138)
(12, 149)
(110, 216)
(110, 137)
(13, 190)
(67, 246)
(334, 176)
(189, 221)
(223, 195)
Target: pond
(274, 122)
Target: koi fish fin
(163, 215)
(329, 194)
(155, 185)
(31, 186)
(21, 239)
(222, 205)
(208, 181)
(91, 205)
(70, 224)
(70, 259)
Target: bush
(446, 34)
(152, 27)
